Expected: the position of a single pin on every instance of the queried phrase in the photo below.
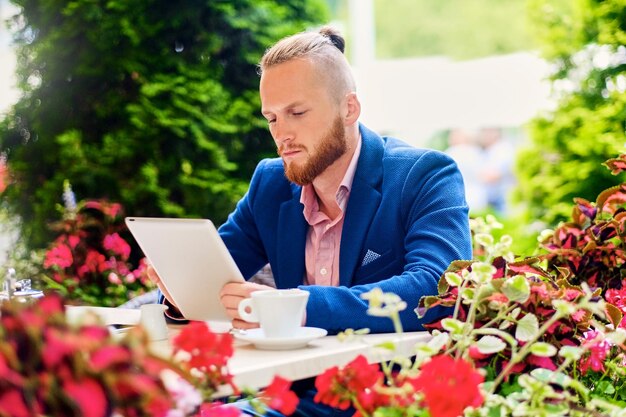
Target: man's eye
(270, 121)
(298, 113)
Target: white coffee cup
(280, 313)
(153, 321)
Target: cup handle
(251, 316)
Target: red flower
(4, 173)
(208, 352)
(449, 386)
(279, 397)
(207, 349)
(60, 256)
(94, 262)
(336, 387)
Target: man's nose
(282, 132)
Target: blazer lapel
(291, 238)
(364, 200)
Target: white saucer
(303, 336)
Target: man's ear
(353, 109)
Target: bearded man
(343, 210)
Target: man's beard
(331, 147)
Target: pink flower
(186, 397)
(117, 245)
(130, 278)
(73, 240)
(598, 350)
(114, 278)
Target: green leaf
(565, 308)
(552, 377)
(605, 387)
(517, 288)
(572, 353)
(527, 328)
(453, 279)
(490, 344)
(454, 326)
(543, 349)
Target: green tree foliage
(457, 28)
(150, 103)
(585, 40)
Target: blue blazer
(406, 220)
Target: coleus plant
(50, 366)
(89, 261)
(591, 247)
(553, 312)
(525, 336)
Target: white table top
(254, 368)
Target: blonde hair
(324, 48)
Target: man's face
(303, 118)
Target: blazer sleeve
(434, 230)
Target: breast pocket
(375, 266)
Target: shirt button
(323, 271)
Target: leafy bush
(584, 40)
(149, 103)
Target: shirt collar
(308, 197)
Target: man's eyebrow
(287, 107)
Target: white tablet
(191, 260)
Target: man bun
(334, 36)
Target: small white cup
(279, 312)
(153, 321)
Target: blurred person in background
(469, 157)
(497, 172)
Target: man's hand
(154, 277)
(232, 294)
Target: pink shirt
(324, 235)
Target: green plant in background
(152, 104)
(585, 41)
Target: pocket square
(370, 256)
